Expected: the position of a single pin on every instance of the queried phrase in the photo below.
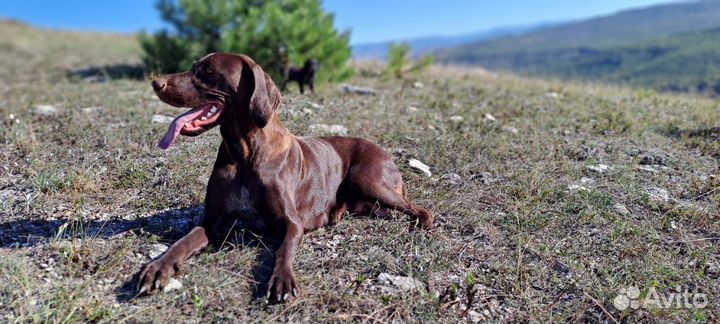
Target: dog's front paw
(156, 275)
(282, 286)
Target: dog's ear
(265, 97)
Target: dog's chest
(239, 203)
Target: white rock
(45, 110)
(91, 110)
(474, 316)
(297, 113)
(456, 118)
(621, 209)
(316, 106)
(329, 129)
(553, 95)
(416, 164)
(576, 188)
(162, 119)
(418, 85)
(411, 109)
(452, 178)
(587, 181)
(347, 88)
(156, 250)
(488, 178)
(510, 129)
(173, 284)
(647, 168)
(6, 194)
(599, 168)
(490, 117)
(394, 284)
(657, 195)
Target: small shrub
(399, 63)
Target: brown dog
(264, 175)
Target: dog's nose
(158, 85)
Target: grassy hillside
(29, 53)
(669, 47)
(424, 45)
(530, 226)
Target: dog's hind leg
(393, 199)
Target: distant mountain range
(422, 45)
(668, 47)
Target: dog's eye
(203, 73)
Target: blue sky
(370, 20)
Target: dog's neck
(250, 145)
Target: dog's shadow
(167, 226)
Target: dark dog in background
(265, 176)
(303, 76)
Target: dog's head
(311, 65)
(220, 88)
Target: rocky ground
(551, 199)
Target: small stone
(91, 110)
(510, 129)
(452, 178)
(162, 119)
(173, 284)
(587, 181)
(156, 250)
(418, 85)
(6, 194)
(487, 178)
(347, 88)
(416, 164)
(599, 168)
(657, 195)
(490, 117)
(621, 209)
(576, 188)
(45, 110)
(553, 95)
(411, 109)
(315, 105)
(395, 284)
(653, 159)
(647, 168)
(297, 113)
(329, 129)
(712, 267)
(474, 316)
(456, 119)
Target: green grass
(517, 246)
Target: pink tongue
(175, 127)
